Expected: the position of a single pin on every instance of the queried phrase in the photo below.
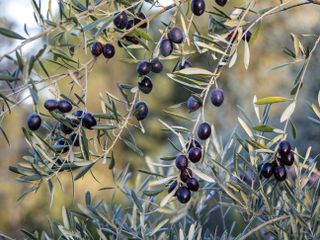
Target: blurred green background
(239, 85)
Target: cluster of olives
(194, 103)
(108, 50)
(67, 125)
(187, 182)
(121, 21)
(145, 84)
(277, 168)
(175, 35)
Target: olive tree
(256, 174)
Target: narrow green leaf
(10, 34)
(270, 100)
(83, 171)
(8, 78)
(263, 128)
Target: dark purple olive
(198, 7)
(64, 106)
(221, 3)
(185, 174)
(108, 51)
(51, 104)
(267, 170)
(89, 121)
(183, 194)
(217, 97)
(193, 104)
(156, 66)
(141, 110)
(193, 184)
(280, 173)
(284, 148)
(143, 68)
(96, 49)
(181, 162)
(176, 35)
(120, 20)
(204, 131)
(166, 47)
(34, 121)
(195, 154)
(287, 159)
(145, 85)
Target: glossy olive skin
(120, 20)
(185, 174)
(193, 104)
(198, 7)
(51, 104)
(183, 194)
(221, 3)
(267, 170)
(156, 66)
(34, 121)
(193, 184)
(166, 47)
(181, 162)
(141, 110)
(280, 173)
(145, 85)
(176, 35)
(204, 131)
(143, 68)
(217, 97)
(96, 49)
(108, 51)
(284, 148)
(195, 154)
(287, 159)
(89, 121)
(64, 106)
